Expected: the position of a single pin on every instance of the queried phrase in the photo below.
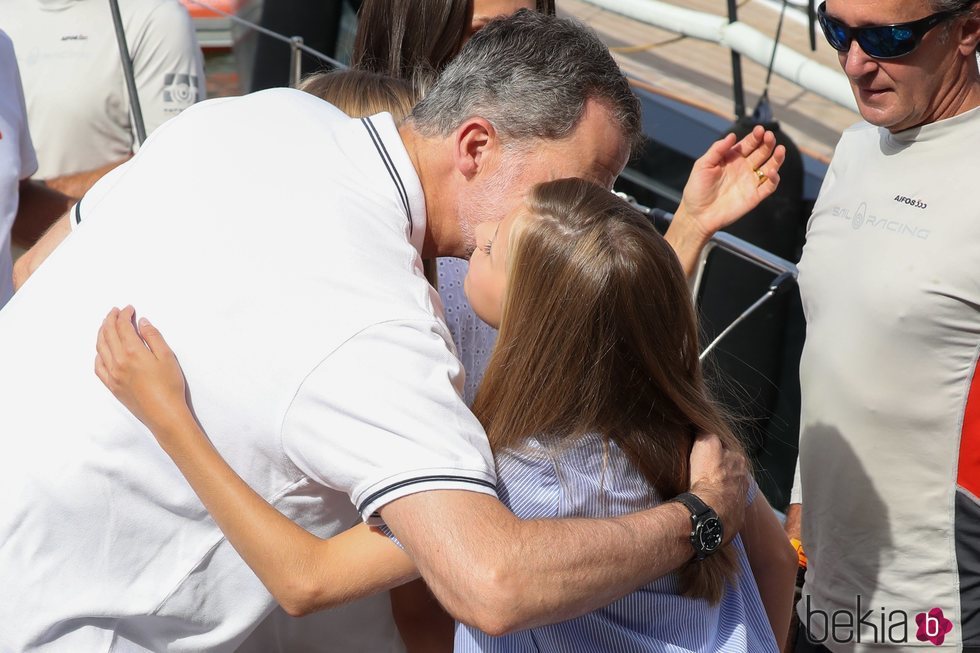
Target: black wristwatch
(707, 533)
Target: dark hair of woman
(409, 38)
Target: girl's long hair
(598, 334)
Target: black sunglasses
(880, 41)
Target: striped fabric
(591, 479)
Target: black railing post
(738, 88)
(127, 66)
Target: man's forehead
(878, 12)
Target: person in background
(22, 201)
(889, 467)
(606, 430)
(77, 103)
(360, 93)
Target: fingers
(757, 147)
(770, 169)
(126, 333)
(101, 371)
(719, 151)
(774, 163)
(706, 456)
(154, 339)
(117, 344)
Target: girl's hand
(141, 371)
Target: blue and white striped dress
(590, 479)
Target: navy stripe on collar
(392, 170)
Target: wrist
(685, 233)
(707, 532)
(174, 428)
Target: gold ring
(763, 177)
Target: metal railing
(786, 272)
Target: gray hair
(950, 5)
(961, 7)
(530, 75)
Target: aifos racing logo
(911, 201)
(180, 89)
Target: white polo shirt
(77, 98)
(17, 159)
(275, 242)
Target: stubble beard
(484, 203)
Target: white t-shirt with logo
(890, 439)
(17, 159)
(282, 263)
(77, 99)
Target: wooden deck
(700, 73)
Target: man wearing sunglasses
(890, 443)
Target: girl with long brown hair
(592, 401)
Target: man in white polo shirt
(77, 101)
(315, 358)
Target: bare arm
(773, 562)
(77, 184)
(487, 567)
(794, 521)
(723, 187)
(303, 572)
(25, 266)
(39, 207)
(500, 574)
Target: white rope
(747, 41)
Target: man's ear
(970, 33)
(473, 142)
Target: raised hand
(732, 178)
(141, 370)
(727, 182)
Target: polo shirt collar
(391, 149)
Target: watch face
(710, 534)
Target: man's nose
(856, 62)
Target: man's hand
(727, 182)
(721, 479)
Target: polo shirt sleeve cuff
(376, 495)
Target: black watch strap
(697, 507)
(707, 531)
